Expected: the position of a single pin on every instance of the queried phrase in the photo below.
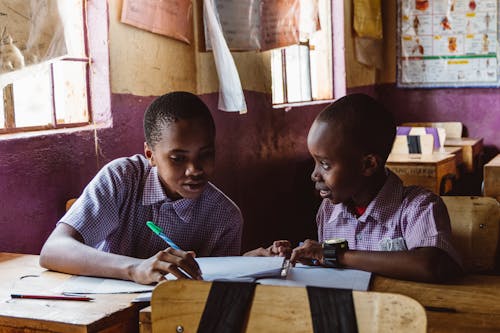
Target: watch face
(333, 241)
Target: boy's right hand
(176, 262)
(308, 252)
(280, 248)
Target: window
(304, 73)
(54, 93)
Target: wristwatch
(331, 249)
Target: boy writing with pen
(368, 220)
(105, 233)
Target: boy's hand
(281, 248)
(308, 253)
(177, 262)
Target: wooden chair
(70, 203)
(177, 306)
(475, 225)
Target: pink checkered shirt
(112, 212)
(398, 218)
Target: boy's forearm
(422, 264)
(72, 257)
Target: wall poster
(448, 43)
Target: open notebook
(265, 270)
(230, 268)
(271, 270)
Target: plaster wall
(146, 64)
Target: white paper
(231, 96)
(302, 275)
(94, 285)
(214, 268)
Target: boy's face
(338, 171)
(185, 157)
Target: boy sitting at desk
(368, 220)
(105, 233)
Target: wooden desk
(428, 171)
(459, 158)
(475, 298)
(472, 151)
(492, 178)
(107, 313)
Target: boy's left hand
(307, 253)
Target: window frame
(338, 61)
(9, 112)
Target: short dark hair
(170, 108)
(363, 122)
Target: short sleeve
(426, 224)
(95, 214)
(229, 243)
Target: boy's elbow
(44, 259)
(440, 269)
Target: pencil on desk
(53, 297)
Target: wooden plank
(181, 303)
(145, 320)
(107, 313)
(472, 151)
(459, 158)
(474, 298)
(492, 178)
(475, 225)
(8, 106)
(427, 171)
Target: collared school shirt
(112, 212)
(398, 218)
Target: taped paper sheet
(172, 18)
(231, 96)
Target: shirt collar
(385, 204)
(387, 201)
(154, 194)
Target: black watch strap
(331, 250)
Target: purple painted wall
(38, 175)
(262, 160)
(477, 108)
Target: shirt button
(359, 237)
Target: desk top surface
(22, 273)
(462, 141)
(433, 158)
(469, 304)
(494, 162)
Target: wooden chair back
(453, 129)
(475, 225)
(70, 203)
(177, 306)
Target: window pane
(321, 55)
(33, 98)
(2, 112)
(298, 73)
(70, 92)
(277, 77)
(72, 17)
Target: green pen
(157, 230)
